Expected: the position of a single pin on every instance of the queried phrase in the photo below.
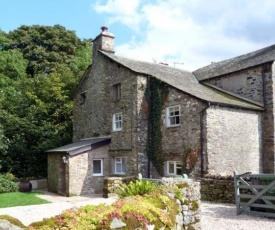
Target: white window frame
(175, 168)
(101, 167)
(117, 121)
(169, 117)
(119, 160)
(117, 91)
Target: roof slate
(255, 58)
(182, 80)
(80, 146)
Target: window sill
(173, 126)
(119, 174)
(118, 130)
(97, 175)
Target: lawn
(12, 199)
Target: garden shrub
(136, 212)
(7, 183)
(137, 187)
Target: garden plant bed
(13, 199)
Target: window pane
(118, 168)
(173, 116)
(171, 168)
(179, 168)
(123, 165)
(97, 167)
(120, 165)
(117, 91)
(117, 122)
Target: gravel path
(214, 216)
(223, 217)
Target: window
(173, 116)
(98, 167)
(117, 91)
(117, 122)
(119, 165)
(174, 168)
(82, 97)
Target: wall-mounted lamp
(65, 160)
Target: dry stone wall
(189, 203)
(217, 190)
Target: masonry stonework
(57, 178)
(227, 116)
(233, 141)
(82, 181)
(246, 83)
(256, 84)
(182, 143)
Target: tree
(39, 69)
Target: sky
(187, 34)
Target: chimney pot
(104, 28)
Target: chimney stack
(104, 41)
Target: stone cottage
(135, 117)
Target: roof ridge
(244, 61)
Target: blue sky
(195, 32)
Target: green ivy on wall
(156, 93)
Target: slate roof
(182, 80)
(255, 58)
(82, 146)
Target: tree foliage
(39, 69)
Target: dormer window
(117, 92)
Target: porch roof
(82, 146)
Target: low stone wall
(189, 203)
(217, 190)
(112, 183)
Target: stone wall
(218, 190)
(189, 204)
(246, 83)
(233, 141)
(57, 177)
(82, 181)
(94, 116)
(252, 83)
(182, 143)
(112, 183)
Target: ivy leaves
(157, 91)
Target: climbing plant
(157, 91)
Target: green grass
(12, 199)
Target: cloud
(122, 11)
(195, 32)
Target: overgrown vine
(156, 93)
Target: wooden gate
(255, 194)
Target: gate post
(237, 191)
